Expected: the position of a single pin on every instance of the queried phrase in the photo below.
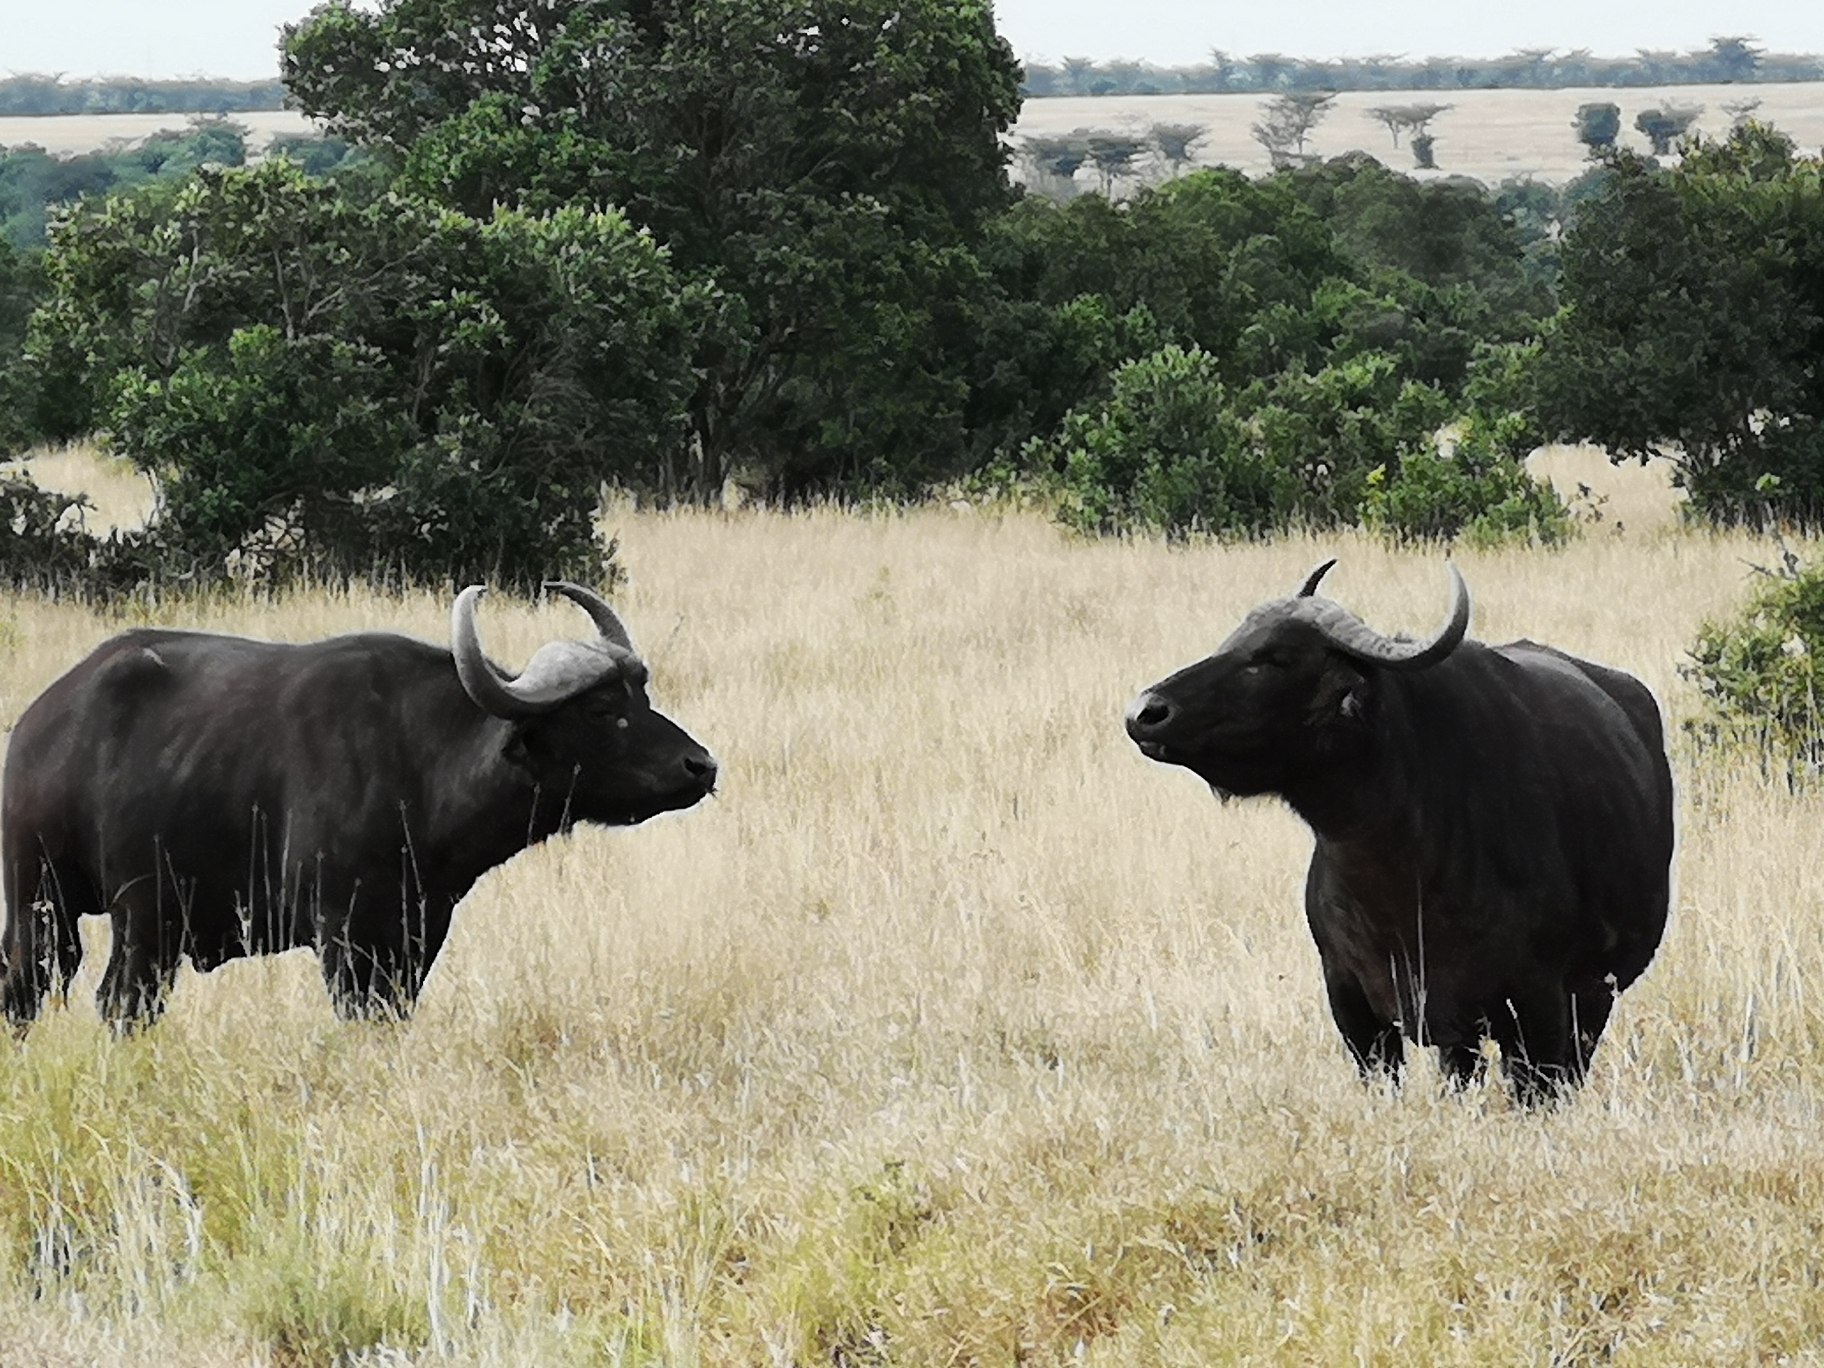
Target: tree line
(776, 247)
(40, 92)
(1725, 60)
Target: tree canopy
(821, 166)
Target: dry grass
(1492, 135)
(67, 134)
(121, 496)
(952, 1032)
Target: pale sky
(237, 37)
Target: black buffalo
(219, 797)
(1493, 824)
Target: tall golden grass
(951, 1032)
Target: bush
(1334, 427)
(1165, 453)
(1477, 492)
(44, 544)
(320, 385)
(1761, 675)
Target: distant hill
(39, 93)
(1726, 60)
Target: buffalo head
(582, 725)
(1289, 694)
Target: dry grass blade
(954, 1032)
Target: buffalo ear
(514, 749)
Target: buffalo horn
(1354, 637)
(1316, 578)
(606, 620)
(558, 670)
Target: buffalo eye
(1270, 660)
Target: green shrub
(325, 385)
(1166, 453)
(1761, 675)
(45, 544)
(1330, 429)
(1477, 492)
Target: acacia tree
(1663, 125)
(818, 170)
(1114, 155)
(1287, 122)
(1598, 124)
(1177, 143)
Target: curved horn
(1315, 578)
(1351, 635)
(559, 670)
(606, 620)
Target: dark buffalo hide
(1493, 824)
(218, 796)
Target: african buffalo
(219, 796)
(1493, 824)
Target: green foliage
(34, 184)
(1597, 124)
(37, 92)
(823, 168)
(1335, 426)
(1165, 453)
(1726, 59)
(1693, 303)
(1175, 449)
(22, 286)
(1761, 676)
(367, 388)
(1477, 492)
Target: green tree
(1166, 452)
(1693, 301)
(824, 167)
(1663, 125)
(1598, 124)
(22, 285)
(366, 387)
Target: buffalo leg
(379, 974)
(1539, 1051)
(41, 949)
(1589, 1016)
(141, 966)
(1462, 1064)
(1372, 1039)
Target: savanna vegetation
(593, 250)
(1731, 58)
(954, 1031)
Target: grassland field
(952, 1031)
(1492, 135)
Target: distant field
(72, 133)
(1489, 134)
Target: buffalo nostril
(702, 768)
(1148, 713)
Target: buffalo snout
(702, 768)
(1148, 716)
